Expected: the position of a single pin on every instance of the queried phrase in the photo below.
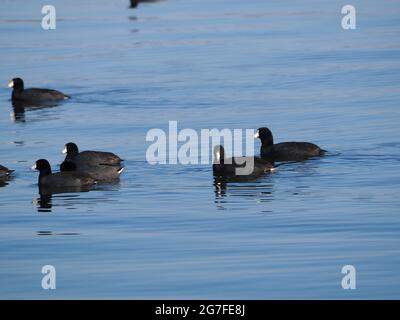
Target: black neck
(16, 91)
(44, 173)
(267, 142)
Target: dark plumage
(34, 95)
(238, 166)
(60, 179)
(67, 166)
(98, 164)
(134, 3)
(285, 151)
(5, 172)
(90, 157)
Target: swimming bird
(60, 179)
(34, 95)
(134, 3)
(99, 165)
(67, 166)
(238, 166)
(5, 172)
(285, 151)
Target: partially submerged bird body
(291, 151)
(5, 172)
(65, 179)
(37, 95)
(285, 151)
(100, 172)
(60, 179)
(95, 158)
(239, 166)
(99, 165)
(135, 3)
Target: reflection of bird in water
(220, 187)
(18, 113)
(44, 203)
(231, 192)
(19, 108)
(135, 3)
(221, 183)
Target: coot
(99, 173)
(33, 95)
(98, 164)
(134, 3)
(5, 172)
(90, 157)
(67, 166)
(285, 151)
(238, 166)
(60, 179)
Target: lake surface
(165, 231)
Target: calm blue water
(164, 231)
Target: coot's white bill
(64, 151)
(218, 156)
(11, 84)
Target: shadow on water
(44, 202)
(51, 233)
(19, 109)
(254, 187)
(260, 189)
(134, 4)
(71, 197)
(4, 182)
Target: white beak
(11, 84)
(64, 151)
(257, 135)
(218, 156)
(34, 167)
